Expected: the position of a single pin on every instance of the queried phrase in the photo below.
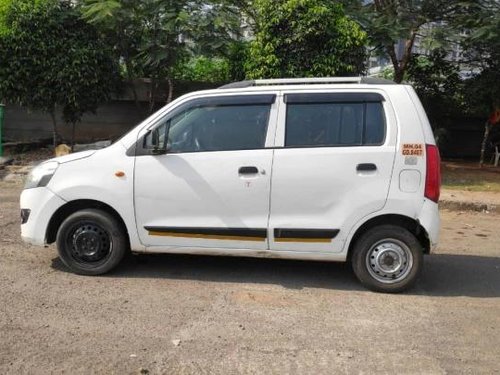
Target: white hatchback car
(329, 169)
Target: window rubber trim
(137, 148)
(363, 135)
(346, 97)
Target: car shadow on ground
(444, 275)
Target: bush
(204, 69)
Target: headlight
(41, 174)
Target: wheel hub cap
(389, 261)
(90, 243)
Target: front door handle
(248, 170)
(366, 167)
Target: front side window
(334, 123)
(219, 128)
(213, 124)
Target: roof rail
(298, 81)
(305, 81)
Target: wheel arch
(412, 225)
(77, 205)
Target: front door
(212, 187)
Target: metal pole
(1, 126)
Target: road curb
(468, 206)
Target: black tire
(387, 258)
(91, 242)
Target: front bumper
(42, 204)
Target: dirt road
(249, 315)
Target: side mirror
(158, 151)
(155, 138)
(153, 144)
(155, 141)
(159, 147)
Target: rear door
(211, 189)
(333, 166)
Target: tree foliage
(155, 38)
(219, 29)
(393, 25)
(469, 86)
(204, 69)
(304, 38)
(121, 27)
(438, 84)
(52, 58)
(437, 81)
(482, 53)
(147, 36)
(213, 28)
(4, 6)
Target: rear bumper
(430, 220)
(42, 204)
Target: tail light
(433, 175)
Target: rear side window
(334, 120)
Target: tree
(147, 34)
(219, 29)
(213, 28)
(52, 58)
(154, 38)
(163, 43)
(438, 84)
(121, 26)
(393, 25)
(482, 53)
(304, 38)
(440, 88)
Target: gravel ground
(190, 314)
(32, 156)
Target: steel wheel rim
(89, 244)
(389, 261)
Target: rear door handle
(366, 167)
(248, 170)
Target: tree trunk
(54, 127)
(398, 75)
(170, 90)
(124, 49)
(401, 65)
(132, 84)
(152, 95)
(73, 136)
(487, 127)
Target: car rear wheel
(387, 258)
(91, 242)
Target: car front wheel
(91, 242)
